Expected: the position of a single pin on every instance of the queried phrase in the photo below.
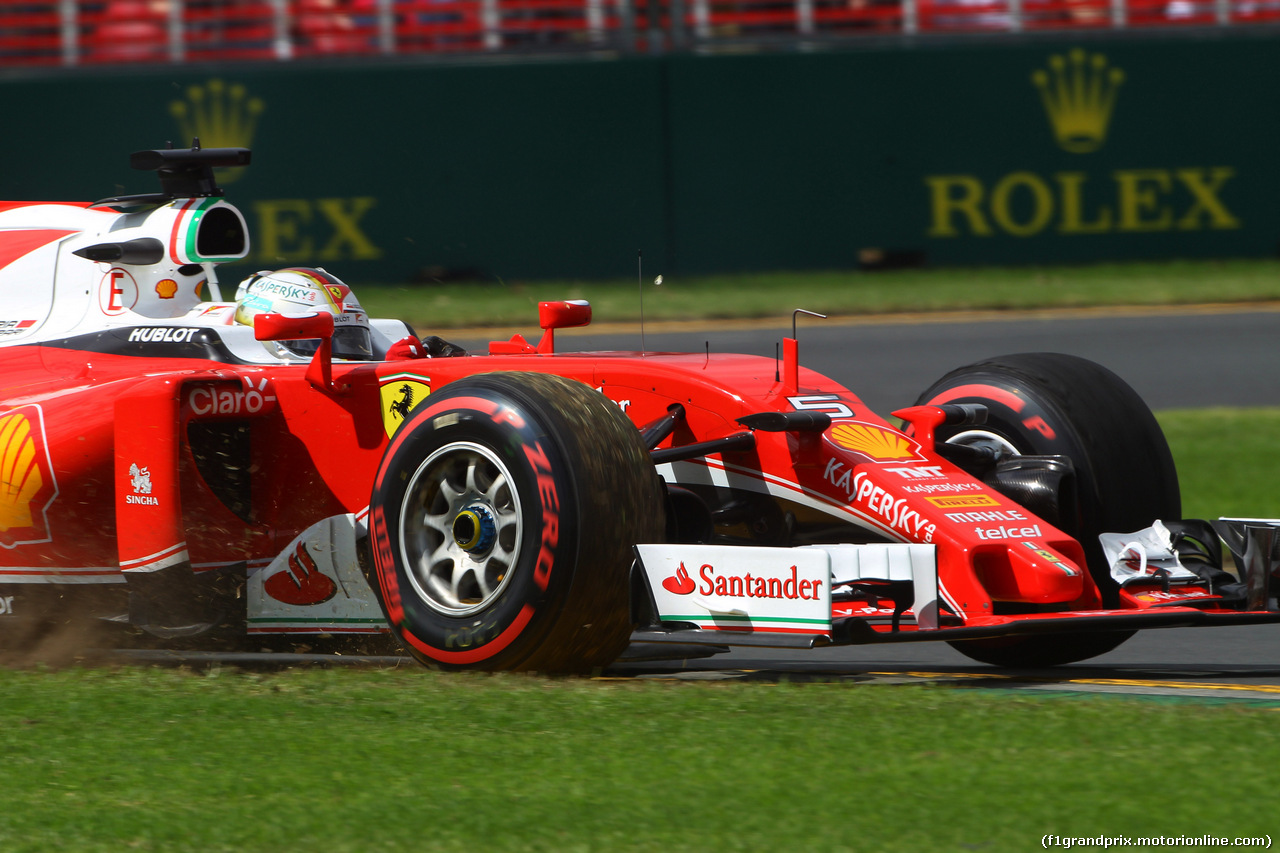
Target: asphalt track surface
(1175, 358)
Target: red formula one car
(281, 464)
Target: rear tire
(1051, 403)
(503, 517)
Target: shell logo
(873, 441)
(27, 485)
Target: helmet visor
(351, 342)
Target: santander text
(747, 586)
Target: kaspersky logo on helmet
(1079, 93)
(269, 287)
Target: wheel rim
(985, 438)
(460, 528)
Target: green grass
(1228, 461)
(407, 759)
(342, 760)
(444, 306)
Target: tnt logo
(918, 472)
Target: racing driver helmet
(306, 290)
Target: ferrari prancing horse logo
(400, 395)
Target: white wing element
(733, 588)
(1143, 555)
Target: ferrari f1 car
(282, 465)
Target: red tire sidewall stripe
(385, 567)
(1000, 395)
(480, 653)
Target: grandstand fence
(94, 32)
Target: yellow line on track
(945, 674)
(1179, 685)
(1269, 689)
(1110, 682)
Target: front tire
(502, 520)
(1056, 404)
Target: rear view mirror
(283, 327)
(564, 315)
(560, 315)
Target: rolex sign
(1098, 157)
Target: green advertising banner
(991, 153)
(1017, 154)
(386, 173)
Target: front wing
(825, 595)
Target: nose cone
(1043, 575)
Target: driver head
(306, 290)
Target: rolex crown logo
(220, 116)
(1079, 93)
